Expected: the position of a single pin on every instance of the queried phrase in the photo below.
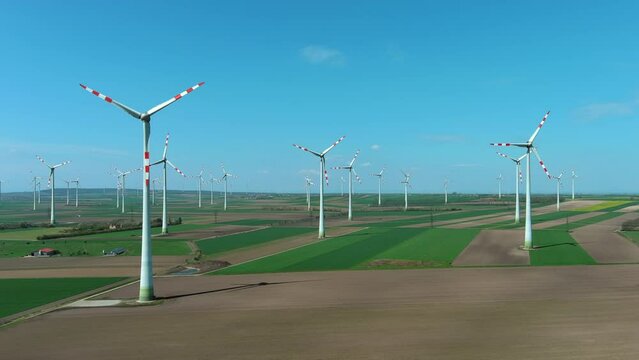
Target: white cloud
(316, 54)
(375, 147)
(597, 111)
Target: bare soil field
(605, 245)
(89, 266)
(576, 312)
(211, 232)
(632, 208)
(494, 247)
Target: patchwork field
(457, 259)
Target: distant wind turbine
(323, 173)
(77, 186)
(164, 161)
(446, 191)
(406, 183)
(122, 175)
(558, 178)
(379, 186)
(518, 179)
(499, 180)
(225, 178)
(351, 172)
(52, 182)
(309, 183)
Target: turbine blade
(534, 135)
(177, 97)
(359, 180)
(541, 162)
(354, 157)
(332, 146)
(307, 149)
(166, 146)
(510, 144)
(129, 110)
(42, 161)
(505, 156)
(61, 164)
(176, 169)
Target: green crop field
(431, 247)
(247, 239)
(17, 248)
(558, 248)
(17, 295)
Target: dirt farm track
(576, 312)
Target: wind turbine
(309, 183)
(52, 182)
(379, 187)
(341, 183)
(558, 178)
(146, 271)
(153, 182)
(446, 191)
(499, 180)
(77, 185)
(573, 177)
(213, 180)
(518, 179)
(68, 182)
(323, 173)
(199, 188)
(225, 178)
(406, 183)
(123, 174)
(36, 184)
(164, 161)
(351, 172)
(528, 245)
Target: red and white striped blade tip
(332, 145)
(177, 97)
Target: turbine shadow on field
(559, 244)
(229, 289)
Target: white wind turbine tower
(36, 184)
(351, 172)
(213, 180)
(77, 186)
(446, 191)
(518, 179)
(309, 183)
(146, 271)
(528, 245)
(406, 183)
(558, 178)
(499, 180)
(573, 177)
(153, 182)
(164, 161)
(225, 178)
(68, 183)
(52, 182)
(122, 175)
(323, 173)
(341, 183)
(199, 188)
(379, 186)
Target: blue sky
(421, 86)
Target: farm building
(46, 252)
